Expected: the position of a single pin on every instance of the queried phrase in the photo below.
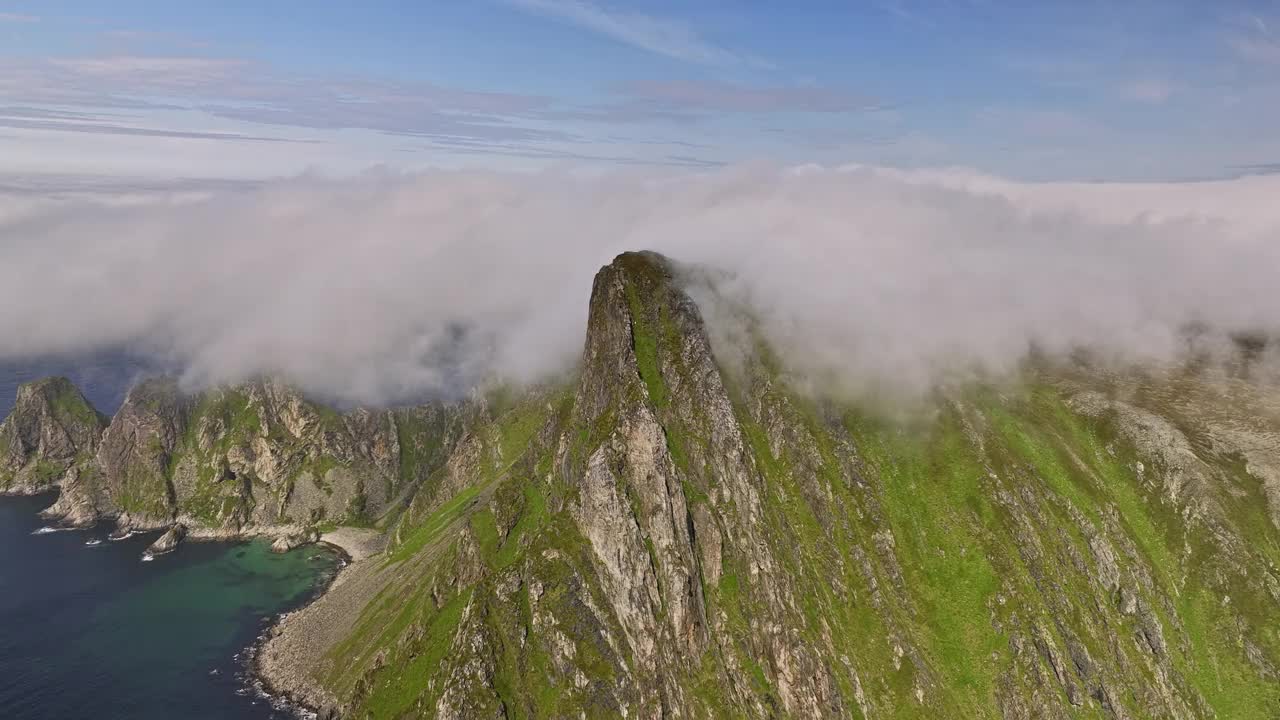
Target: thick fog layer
(384, 288)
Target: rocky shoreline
(283, 537)
(295, 644)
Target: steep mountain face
(662, 538)
(242, 459)
(49, 438)
(668, 535)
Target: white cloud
(18, 18)
(384, 287)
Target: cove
(91, 631)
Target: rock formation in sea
(168, 542)
(683, 529)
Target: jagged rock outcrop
(133, 461)
(660, 494)
(288, 541)
(246, 459)
(168, 542)
(49, 438)
(261, 454)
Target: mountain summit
(661, 536)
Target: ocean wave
(50, 529)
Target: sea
(90, 630)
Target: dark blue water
(93, 632)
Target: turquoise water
(93, 632)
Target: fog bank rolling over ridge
(386, 287)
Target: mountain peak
(640, 330)
(52, 430)
(644, 265)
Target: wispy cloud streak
(728, 97)
(238, 90)
(663, 36)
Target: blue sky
(1036, 90)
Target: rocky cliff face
(659, 538)
(49, 438)
(228, 461)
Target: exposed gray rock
(49, 438)
(168, 542)
(288, 541)
(132, 478)
(235, 461)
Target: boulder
(289, 541)
(168, 542)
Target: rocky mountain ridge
(253, 458)
(667, 535)
(664, 537)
